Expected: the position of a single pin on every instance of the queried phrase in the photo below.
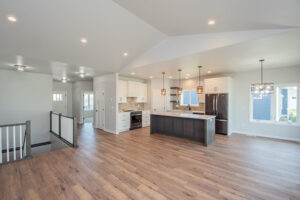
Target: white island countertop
(184, 115)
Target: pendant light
(179, 90)
(163, 90)
(199, 88)
(262, 88)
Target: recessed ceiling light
(125, 54)
(187, 74)
(132, 73)
(209, 72)
(12, 18)
(186, 77)
(211, 22)
(150, 77)
(20, 68)
(170, 77)
(83, 40)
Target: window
(57, 97)
(189, 97)
(88, 101)
(279, 107)
(261, 107)
(286, 107)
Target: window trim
(192, 105)
(274, 107)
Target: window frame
(274, 106)
(192, 105)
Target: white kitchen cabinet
(138, 90)
(142, 93)
(123, 121)
(217, 85)
(122, 91)
(145, 118)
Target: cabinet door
(122, 91)
(132, 89)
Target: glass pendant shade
(179, 91)
(199, 89)
(262, 88)
(163, 91)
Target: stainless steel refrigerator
(217, 104)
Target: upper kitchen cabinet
(122, 91)
(138, 90)
(217, 85)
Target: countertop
(184, 115)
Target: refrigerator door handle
(213, 104)
(216, 105)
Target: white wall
(26, 96)
(241, 103)
(59, 86)
(108, 84)
(78, 88)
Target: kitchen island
(191, 126)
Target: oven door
(136, 121)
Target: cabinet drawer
(124, 116)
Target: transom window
(189, 97)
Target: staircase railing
(64, 127)
(15, 142)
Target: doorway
(59, 102)
(100, 110)
(88, 107)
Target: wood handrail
(9, 125)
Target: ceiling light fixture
(199, 88)
(179, 90)
(187, 75)
(83, 40)
(125, 54)
(64, 79)
(82, 74)
(163, 90)
(170, 77)
(262, 88)
(211, 22)
(132, 73)
(20, 68)
(150, 77)
(209, 72)
(12, 18)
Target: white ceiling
(181, 17)
(47, 35)
(281, 50)
(49, 32)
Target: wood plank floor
(135, 165)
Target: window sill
(274, 123)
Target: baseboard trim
(267, 136)
(110, 131)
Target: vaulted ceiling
(46, 36)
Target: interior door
(100, 109)
(222, 106)
(59, 102)
(210, 104)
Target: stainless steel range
(135, 119)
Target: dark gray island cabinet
(200, 128)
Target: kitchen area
(141, 101)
